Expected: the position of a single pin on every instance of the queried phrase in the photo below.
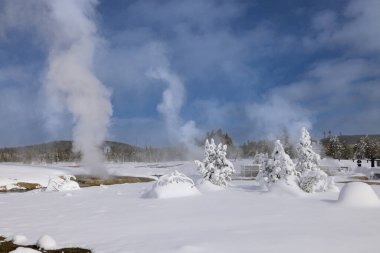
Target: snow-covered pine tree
(307, 158)
(334, 148)
(260, 158)
(360, 148)
(278, 167)
(311, 177)
(216, 168)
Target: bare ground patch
(8, 246)
(21, 187)
(87, 181)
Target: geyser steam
(173, 99)
(70, 78)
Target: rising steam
(173, 99)
(69, 77)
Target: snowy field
(241, 218)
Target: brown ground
(84, 181)
(24, 186)
(8, 246)
(87, 181)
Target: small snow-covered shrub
(216, 168)
(64, 183)
(174, 178)
(278, 167)
(312, 178)
(46, 242)
(173, 185)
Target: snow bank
(286, 187)
(11, 174)
(46, 242)
(63, 183)
(358, 194)
(172, 185)
(207, 186)
(24, 250)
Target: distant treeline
(352, 146)
(339, 147)
(62, 151)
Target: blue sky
(252, 68)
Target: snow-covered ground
(241, 218)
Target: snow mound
(286, 187)
(331, 186)
(358, 194)
(20, 240)
(207, 186)
(63, 183)
(174, 185)
(24, 250)
(46, 242)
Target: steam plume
(70, 78)
(173, 99)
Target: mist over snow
(177, 69)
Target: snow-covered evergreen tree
(260, 158)
(311, 177)
(334, 148)
(360, 148)
(216, 168)
(307, 158)
(278, 167)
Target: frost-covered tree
(278, 167)
(307, 158)
(334, 148)
(260, 158)
(216, 168)
(288, 146)
(312, 178)
(366, 148)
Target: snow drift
(206, 186)
(20, 240)
(172, 185)
(24, 250)
(358, 194)
(287, 188)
